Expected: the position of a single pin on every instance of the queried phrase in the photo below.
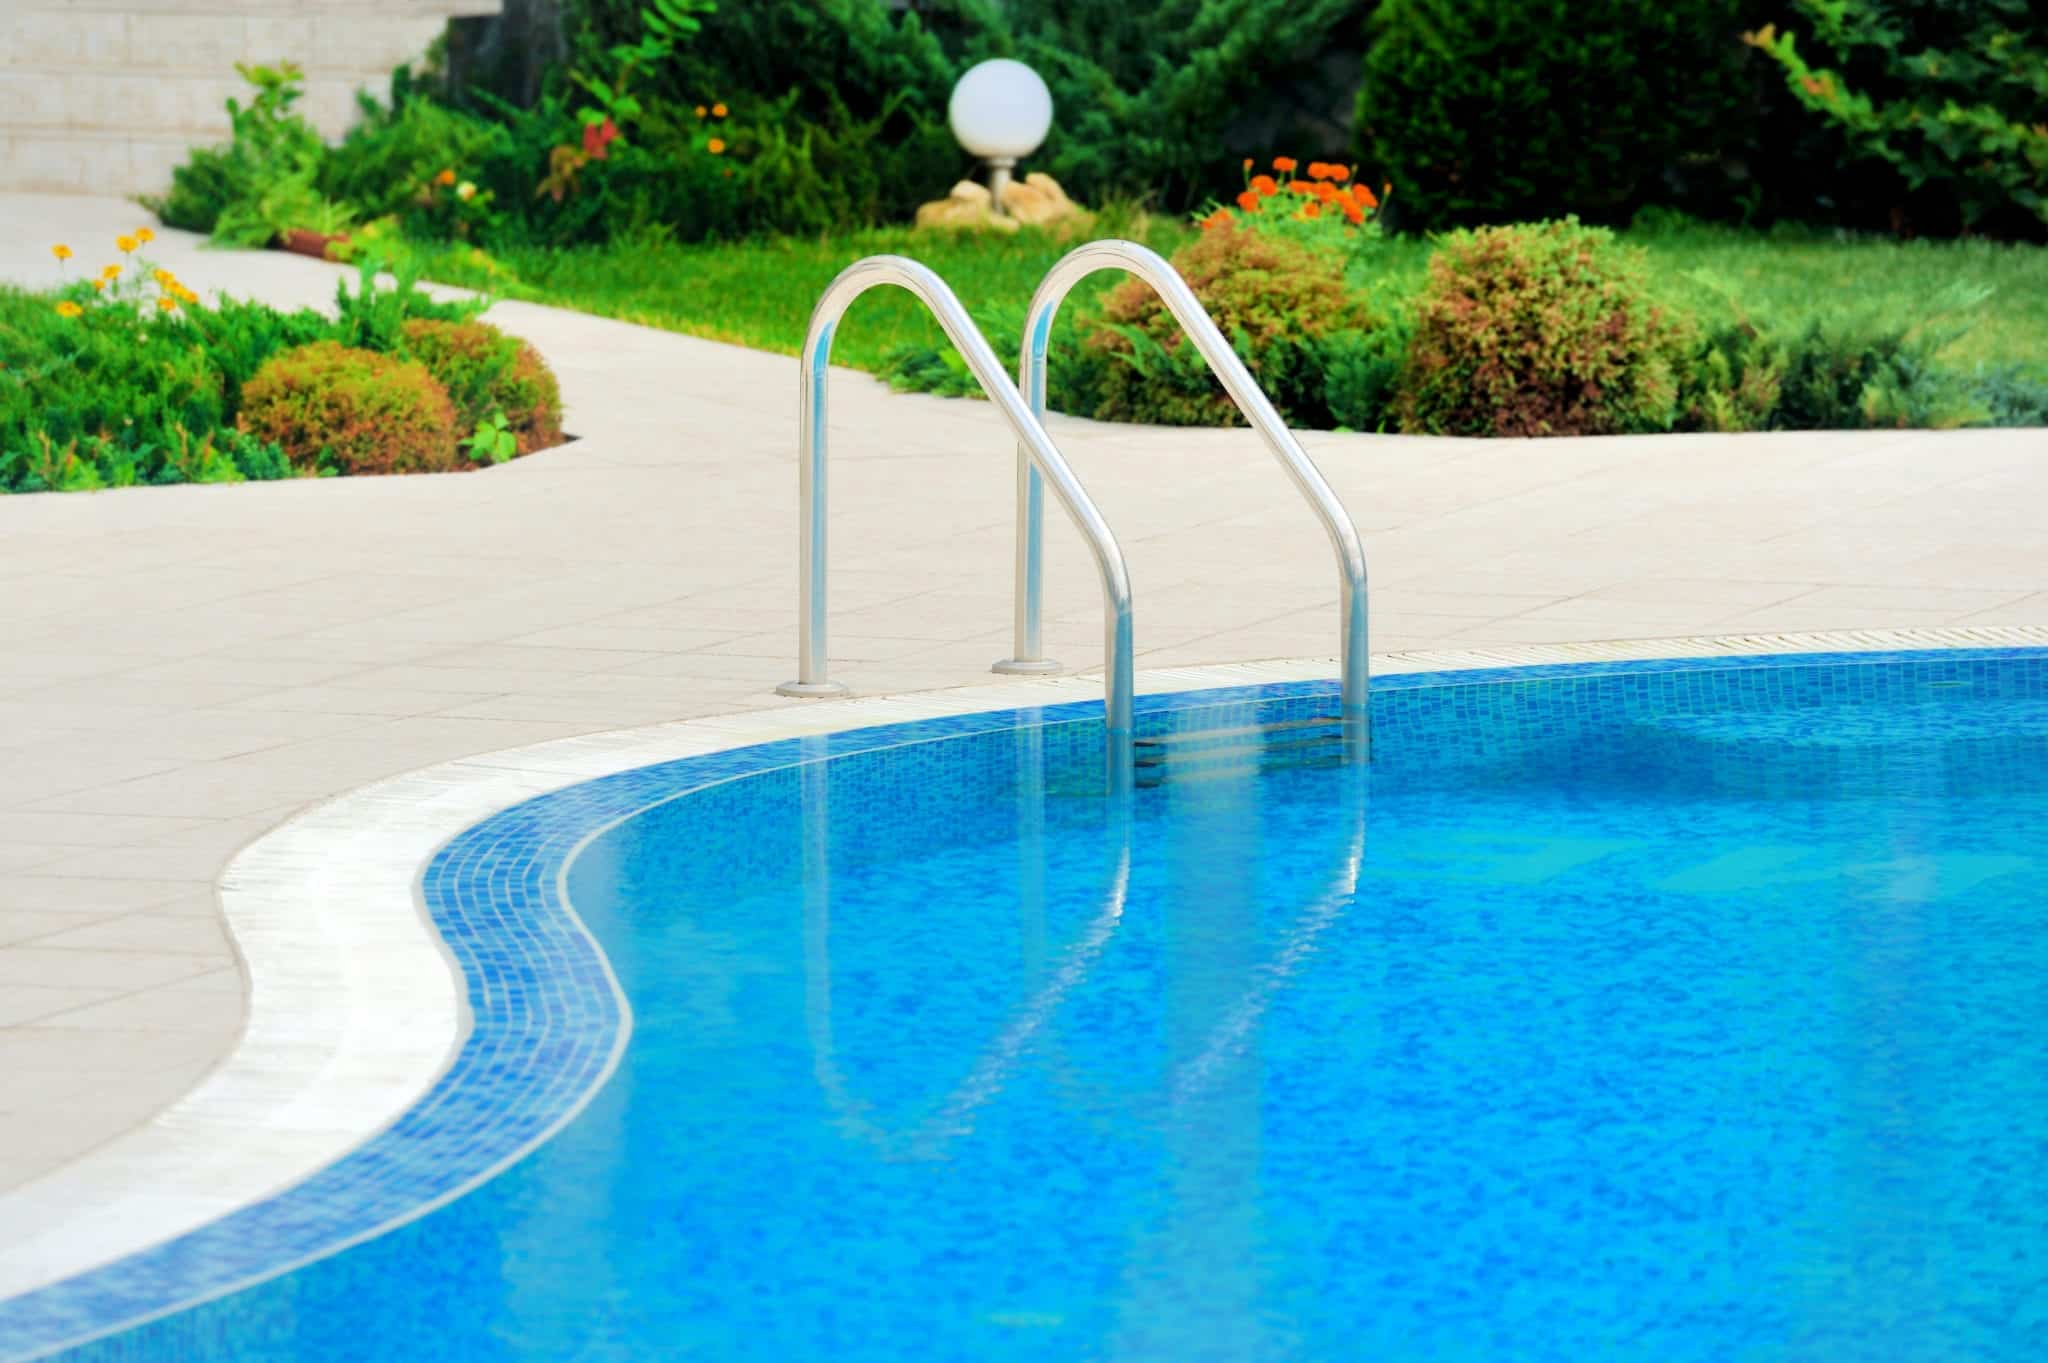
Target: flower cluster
(1326, 189)
(168, 295)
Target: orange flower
(1318, 170)
(1311, 210)
(716, 146)
(167, 304)
(1264, 186)
(701, 111)
(1326, 192)
(1300, 187)
(446, 177)
(1285, 164)
(1220, 218)
(1248, 201)
(1363, 195)
(1338, 173)
(718, 111)
(1247, 163)
(1354, 215)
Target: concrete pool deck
(186, 668)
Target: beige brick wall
(105, 96)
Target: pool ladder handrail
(1028, 655)
(1035, 450)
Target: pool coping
(357, 1008)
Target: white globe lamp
(1000, 111)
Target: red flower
(597, 137)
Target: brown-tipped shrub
(486, 371)
(356, 411)
(1539, 329)
(1275, 297)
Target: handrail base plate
(1027, 667)
(801, 688)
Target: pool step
(1209, 753)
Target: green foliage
(1277, 299)
(1951, 96)
(492, 442)
(264, 180)
(489, 375)
(1847, 369)
(1164, 100)
(327, 405)
(1544, 329)
(370, 318)
(1362, 374)
(110, 372)
(1488, 111)
(388, 161)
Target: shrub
(389, 160)
(104, 373)
(1276, 297)
(262, 182)
(489, 373)
(1544, 329)
(328, 406)
(1947, 95)
(1489, 111)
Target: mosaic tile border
(356, 1012)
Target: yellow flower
(98, 284)
(144, 234)
(465, 191)
(718, 111)
(61, 251)
(167, 304)
(715, 146)
(126, 244)
(111, 272)
(67, 308)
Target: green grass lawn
(759, 293)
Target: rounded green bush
(1277, 298)
(360, 412)
(486, 371)
(1538, 329)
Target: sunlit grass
(759, 293)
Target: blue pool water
(1691, 1012)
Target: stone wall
(106, 96)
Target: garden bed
(125, 376)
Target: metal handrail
(1035, 449)
(1180, 300)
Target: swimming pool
(1685, 1009)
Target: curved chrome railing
(1180, 300)
(1035, 449)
